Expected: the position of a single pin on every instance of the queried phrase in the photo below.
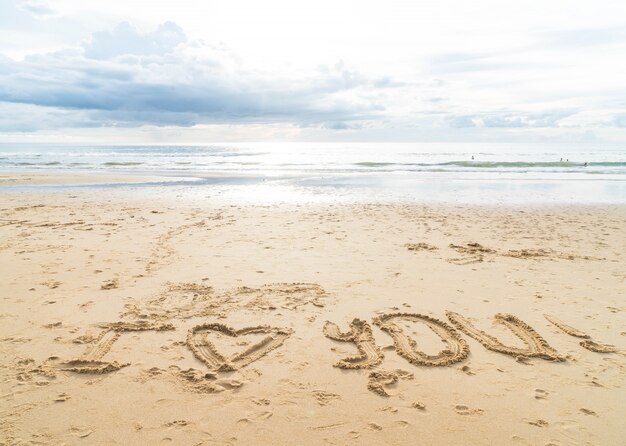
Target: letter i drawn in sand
(91, 360)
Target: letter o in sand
(405, 346)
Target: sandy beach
(144, 317)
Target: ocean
(489, 173)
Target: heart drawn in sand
(205, 351)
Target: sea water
(488, 173)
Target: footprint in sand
(420, 247)
(86, 306)
(472, 252)
(467, 370)
(176, 423)
(62, 397)
(192, 380)
(462, 409)
(379, 380)
(80, 431)
(256, 417)
(110, 284)
(323, 398)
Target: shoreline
(63, 178)
(226, 188)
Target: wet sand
(146, 318)
(59, 178)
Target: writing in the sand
(359, 333)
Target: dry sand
(146, 318)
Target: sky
(192, 71)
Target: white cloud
(35, 7)
(124, 77)
(125, 39)
(439, 70)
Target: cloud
(35, 7)
(581, 37)
(125, 39)
(535, 120)
(620, 120)
(124, 77)
(460, 62)
(30, 118)
(341, 126)
(461, 121)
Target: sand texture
(456, 351)
(153, 316)
(361, 335)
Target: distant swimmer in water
(472, 157)
(585, 165)
(561, 160)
